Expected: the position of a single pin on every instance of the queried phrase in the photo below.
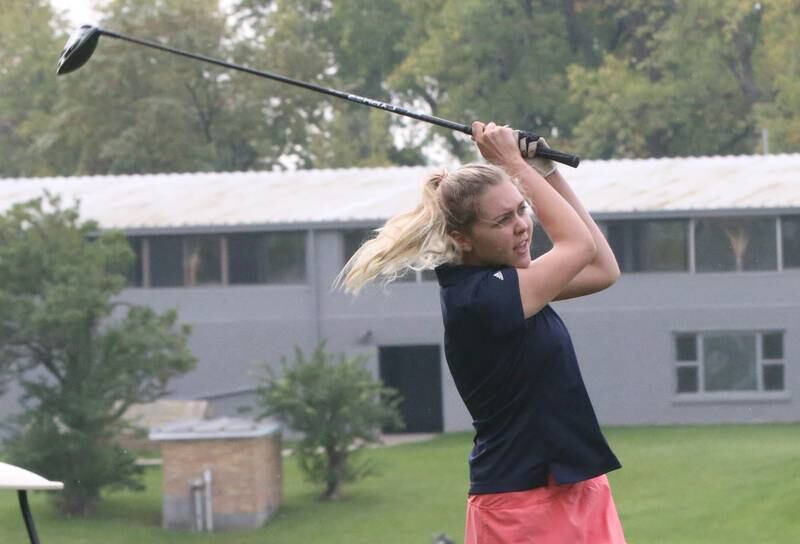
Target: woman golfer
(538, 465)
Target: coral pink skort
(579, 513)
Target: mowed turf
(682, 485)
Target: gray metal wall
(623, 336)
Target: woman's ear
(463, 242)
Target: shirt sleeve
(496, 302)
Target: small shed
(219, 474)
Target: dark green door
(416, 372)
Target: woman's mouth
(521, 247)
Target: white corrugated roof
(208, 429)
(366, 194)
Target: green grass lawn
(682, 485)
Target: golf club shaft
(552, 154)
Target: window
(253, 258)
(413, 276)
(729, 362)
(735, 244)
(135, 275)
(203, 260)
(428, 275)
(773, 363)
(541, 243)
(352, 240)
(657, 245)
(409, 276)
(166, 261)
(273, 257)
(790, 240)
(185, 260)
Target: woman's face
(501, 235)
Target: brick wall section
(246, 472)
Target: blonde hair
(420, 239)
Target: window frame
(223, 252)
(628, 224)
(419, 276)
(701, 395)
(748, 215)
(187, 268)
(307, 251)
(137, 274)
(782, 241)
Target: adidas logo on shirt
(498, 275)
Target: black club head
(79, 49)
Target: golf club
(83, 42)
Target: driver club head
(79, 49)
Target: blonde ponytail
(420, 239)
(414, 240)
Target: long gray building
(703, 326)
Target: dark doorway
(416, 372)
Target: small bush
(337, 406)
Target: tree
(348, 45)
(504, 61)
(606, 78)
(81, 356)
(337, 406)
(677, 79)
(28, 83)
(778, 70)
(136, 110)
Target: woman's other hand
(497, 144)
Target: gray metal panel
(623, 335)
(624, 340)
(234, 330)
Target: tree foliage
(605, 78)
(348, 45)
(80, 356)
(132, 109)
(337, 406)
(777, 68)
(681, 84)
(27, 84)
(503, 61)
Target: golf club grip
(559, 156)
(552, 154)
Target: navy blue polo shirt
(521, 383)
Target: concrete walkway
(395, 439)
(387, 440)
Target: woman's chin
(521, 261)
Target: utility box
(219, 474)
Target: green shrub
(337, 406)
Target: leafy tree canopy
(605, 78)
(80, 356)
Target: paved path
(388, 440)
(395, 439)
